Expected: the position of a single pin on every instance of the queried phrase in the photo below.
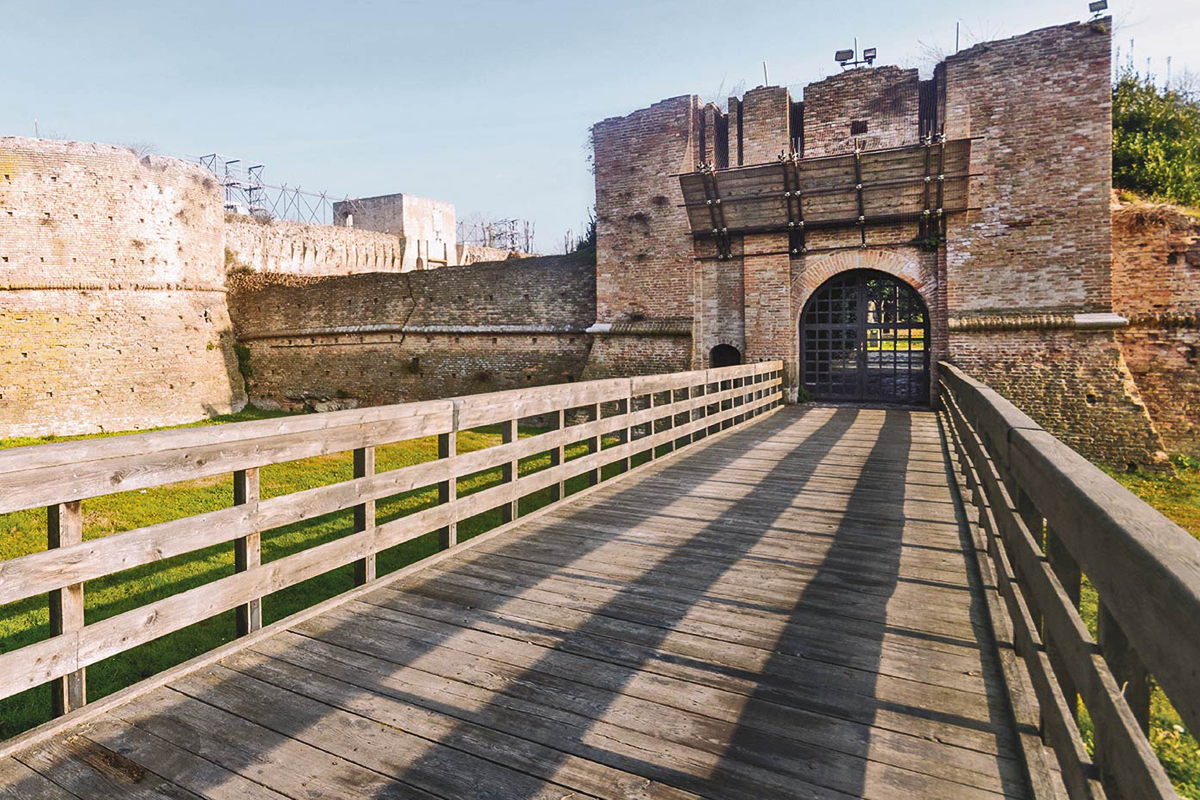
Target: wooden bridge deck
(785, 611)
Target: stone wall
(391, 338)
(476, 253)
(112, 298)
(426, 227)
(1156, 285)
(299, 249)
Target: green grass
(1178, 498)
(25, 622)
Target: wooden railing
(1050, 520)
(645, 415)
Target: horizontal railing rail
(654, 414)
(1052, 519)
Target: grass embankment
(27, 621)
(1178, 498)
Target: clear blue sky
(484, 104)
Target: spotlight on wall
(1098, 6)
(846, 57)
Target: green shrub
(1156, 139)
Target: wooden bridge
(746, 601)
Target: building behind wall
(985, 189)
(426, 227)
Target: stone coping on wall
(111, 286)
(341, 330)
(1048, 321)
(659, 327)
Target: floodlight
(869, 54)
(1098, 6)
(843, 55)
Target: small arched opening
(724, 355)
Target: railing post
(247, 550)
(558, 456)
(448, 489)
(364, 514)
(1131, 676)
(669, 421)
(1126, 666)
(593, 476)
(687, 395)
(1066, 569)
(627, 436)
(510, 471)
(65, 528)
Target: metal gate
(864, 335)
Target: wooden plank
(666, 682)
(691, 641)
(546, 708)
(688, 758)
(247, 550)
(512, 746)
(184, 769)
(430, 767)
(65, 528)
(98, 476)
(19, 782)
(364, 514)
(257, 753)
(91, 771)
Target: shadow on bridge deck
(785, 611)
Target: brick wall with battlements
(112, 297)
(1019, 292)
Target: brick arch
(900, 265)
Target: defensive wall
(1156, 286)
(362, 340)
(112, 291)
(274, 245)
(114, 268)
(1019, 282)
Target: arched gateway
(864, 335)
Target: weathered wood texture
(1051, 518)
(826, 191)
(788, 610)
(61, 475)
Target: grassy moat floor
(25, 622)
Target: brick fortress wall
(112, 298)
(644, 264)
(1020, 294)
(1028, 283)
(389, 338)
(1156, 286)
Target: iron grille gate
(864, 335)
